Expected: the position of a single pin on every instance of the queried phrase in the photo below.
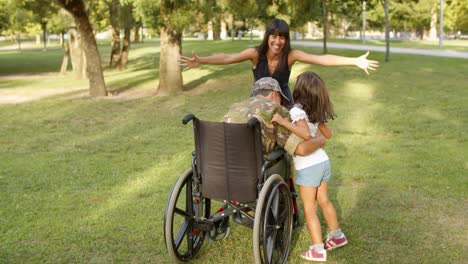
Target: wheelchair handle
(252, 122)
(188, 118)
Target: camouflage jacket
(264, 109)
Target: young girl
(312, 109)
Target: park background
(84, 178)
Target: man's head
(268, 87)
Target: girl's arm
(299, 128)
(218, 59)
(325, 129)
(333, 60)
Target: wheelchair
(228, 166)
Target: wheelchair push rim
(182, 237)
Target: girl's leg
(328, 210)
(335, 238)
(308, 197)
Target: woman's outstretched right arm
(219, 59)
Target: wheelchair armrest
(278, 152)
(188, 118)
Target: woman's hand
(365, 64)
(190, 62)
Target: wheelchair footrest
(241, 218)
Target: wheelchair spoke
(182, 213)
(270, 246)
(283, 216)
(275, 207)
(182, 233)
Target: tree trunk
(115, 49)
(44, 33)
(433, 25)
(325, 25)
(136, 36)
(232, 28)
(61, 40)
(122, 65)
(310, 33)
(84, 65)
(76, 53)
(66, 55)
(114, 13)
(210, 30)
(97, 85)
(223, 34)
(170, 80)
(217, 29)
(251, 31)
(387, 32)
(18, 40)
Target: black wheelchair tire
(174, 240)
(278, 235)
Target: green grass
(86, 180)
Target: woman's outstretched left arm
(334, 60)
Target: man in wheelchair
(263, 104)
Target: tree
(302, 12)
(174, 17)
(97, 85)
(325, 25)
(114, 13)
(4, 16)
(42, 12)
(247, 10)
(170, 17)
(387, 31)
(18, 17)
(127, 22)
(456, 16)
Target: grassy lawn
(86, 180)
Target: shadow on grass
(116, 87)
(217, 71)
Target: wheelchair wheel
(183, 238)
(273, 222)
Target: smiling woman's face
(276, 43)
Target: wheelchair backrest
(229, 159)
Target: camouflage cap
(268, 83)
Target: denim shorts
(314, 175)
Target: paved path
(439, 53)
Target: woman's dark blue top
(281, 75)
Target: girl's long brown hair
(310, 91)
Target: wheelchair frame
(188, 220)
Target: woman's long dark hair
(277, 27)
(310, 91)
